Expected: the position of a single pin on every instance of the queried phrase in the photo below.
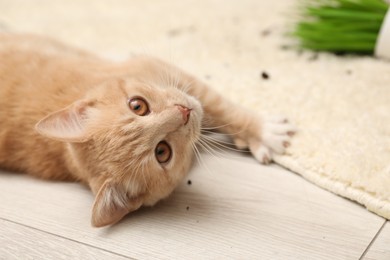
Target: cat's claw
(263, 154)
(275, 138)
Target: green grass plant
(340, 26)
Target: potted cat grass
(345, 26)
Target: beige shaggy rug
(340, 104)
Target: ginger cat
(128, 130)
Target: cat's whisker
(185, 88)
(208, 135)
(221, 152)
(218, 151)
(213, 150)
(215, 127)
(220, 144)
(171, 78)
(222, 134)
(198, 156)
(163, 77)
(176, 79)
(217, 155)
(208, 149)
(177, 75)
(204, 132)
(196, 152)
(166, 76)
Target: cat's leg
(264, 136)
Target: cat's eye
(163, 152)
(138, 106)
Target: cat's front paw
(275, 135)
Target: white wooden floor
(234, 209)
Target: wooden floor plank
(236, 209)
(21, 242)
(380, 249)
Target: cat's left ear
(112, 203)
(69, 124)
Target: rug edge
(373, 204)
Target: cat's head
(132, 142)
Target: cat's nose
(185, 111)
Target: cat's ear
(112, 203)
(69, 124)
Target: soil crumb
(264, 75)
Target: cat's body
(66, 114)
